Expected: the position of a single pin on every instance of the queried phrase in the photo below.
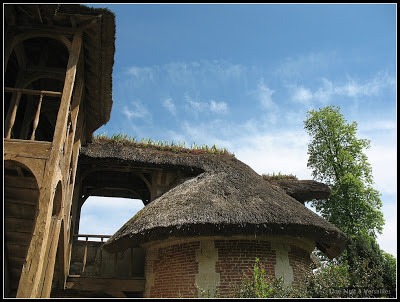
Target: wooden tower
(57, 68)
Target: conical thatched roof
(227, 198)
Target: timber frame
(53, 58)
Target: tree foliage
(336, 158)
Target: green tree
(336, 158)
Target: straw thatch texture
(227, 198)
(303, 190)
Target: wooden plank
(49, 271)
(105, 284)
(13, 224)
(20, 182)
(21, 194)
(16, 262)
(16, 250)
(17, 238)
(25, 148)
(20, 201)
(19, 211)
(34, 92)
(14, 274)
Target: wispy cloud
(191, 73)
(136, 110)
(206, 106)
(142, 73)
(218, 107)
(169, 104)
(351, 88)
(264, 96)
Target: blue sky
(243, 76)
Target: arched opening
(21, 195)
(109, 197)
(36, 64)
(105, 215)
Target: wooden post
(49, 272)
(12, 113)
(33, 271)
(85, 255)
(28, 116)
(131, 263)
(36, 120)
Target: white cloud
(383, 160)
(142, 73)
(218, 107)
(137, 110)
(282, 151)
(264, 95)
(169, 104)
(209, 106)
(351, 88)
(302, 95)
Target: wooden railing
(86, 245)
(112, 262)
(12, 110)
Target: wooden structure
(57, 67)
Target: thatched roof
(99, 46)
(303, 190)
(226, 198)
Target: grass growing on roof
(279, 176)
(176, 147)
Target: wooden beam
(46, 71)
(29, 149)
(36, 119)
(13, 224)
(19, 211)
(21, 194)
(50, 260)
(34, 92)
(62, 117)
(35, 281)
(106, 284)
(17, 237)
(19, 201)
(20, 182)
(12, 113)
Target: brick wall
(236, 259)
(174, 271)
(300, 261)
(172, 268)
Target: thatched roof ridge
(226, 198)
